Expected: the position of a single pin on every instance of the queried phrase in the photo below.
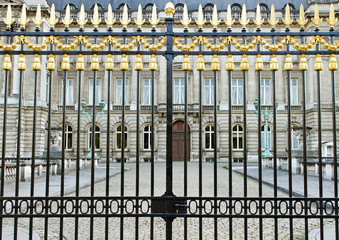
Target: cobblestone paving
(178, 229)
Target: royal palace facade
(66, 95)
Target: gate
(234, 206)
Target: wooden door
(179, 141)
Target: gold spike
(215, 21)
(273, 21)
(125, 20)
(259, 64)
(37, 20)
(153, 66)
(7, 64)
(201, 63)
(331, 20)
(22, 62)
(200, 21)
(274, 63)
(244, 66)
(96, 20)
(287, 20)
(138, 66)
(36, 63)
(169, 9)
(23, 20)
(303, 63)
(124, 63)
(185, 20)
(65, 65)
(67, 19)
(9, 20)
(258, 21)
(52, 19)
(302, 20)
(215, 66)
(139, 21)
(51, 62)
(154, 20)
(316, 20)
(110, 20)
(95, 63)
(109, 65)
(80, 65)
(229, 63)
(332, 64)
(288, 65)
(244, 21)
(82, 21)
(318, 63)
(229, 21)
(186, 65)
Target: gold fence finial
(169, 10)
(243, 20)
(331, 20)
(51, 62)
(110, 20)
(36, 66)
(274, 63)
(96, 20)
(139, 21)
(154, 19)
(138, 66)
(186, 65)
(65, 65)
(288, 65)
(52, 19)
(7, 64)
(8, 20)
(23, 20)
(22, 62)
(332, 64)
(200, 21)
(201, 63)
(215, 66)
(229, 21)
(302, 20)
(287, 19)
(67, 19)
(38, 20)
(80, 64)
(153, 66)
(258, 21)
(95, 63)
(109, 65)
(273, 21)
(125, 20)
(229, 63)
(318, 63)
(259, 64)
(82, 21)
(316, 20)
(244, 66)
(124, 63)
(303, 66)
(185, 20)
(215, 21)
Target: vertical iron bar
(93, 156)
(200, 149)
(215, 174)
(122, 190)
(289, 148)
(185, 140)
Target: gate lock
(169, 204)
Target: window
(69, 91)
(179, 91)
(96, 137)
(119, 142)
(238, 137)
(236, 11)
(236, 58)
(147, 91)
(208, 11)
(68, 137)
(264, 11)
(118, 98)
(295, 141)
(147, 137)
(237, 91)
(294, 91)
(178, 58)
(209, 137)
(265, 95)
(179, 9)
(208, 58)
(209, 91)
(264, 138)
(97, 92)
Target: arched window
(119, 133)
(209, 137)
(265, 138)
(179, 9)
(208, 11)
(68, 137)
(236, 11)
(264, 10)
(294, 139)
(96, 137)
(147, 137)
(148, 10)
(238, 137)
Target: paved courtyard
(178, 229)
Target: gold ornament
(273, 21)
(287, 20)
(154, 19)
(185, 20)
(23, 20)
(124, 63)
(139, 21)
(229, 21)
(8, 20)
(259, 64)
(67, 19)
(244, 21)
(52, 19)
(38, 20)
(82, 20)
(125, 20)
(110, 19)
(36, 63)
(215, 21)
(96, 20)
(201, 63)
(303, 63)
(22, 62)
(316, 20)
(332, 64)
(200, 21)
(153, 66)
(302, 20)
(244, 66)
(288, 65)
(51, 62)
(318, 63)
(138, 66)
(65, 65)
(7, 64)
(215, 66)
(331, 20)
(274, 63)
(169, 10)
(80, 65)
(109, 66)
(186, 66)
(229, 64)
(95, 63)
(258, 21)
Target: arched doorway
(178, 141)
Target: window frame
(96, 132)
(209, 137)
(238, 134)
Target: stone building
(115, 91)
